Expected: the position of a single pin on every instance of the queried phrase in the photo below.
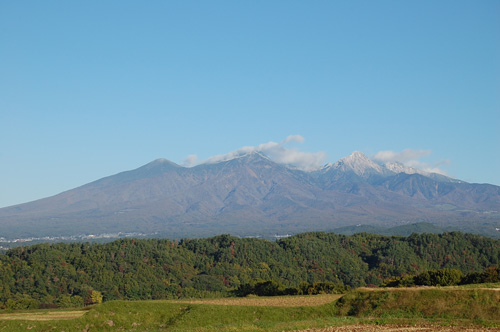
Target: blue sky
(92, 88)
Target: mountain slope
(253, 195)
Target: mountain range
(251, 195)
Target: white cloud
(411, 158)
(284, 154)
(278, 152)
(190, 160)
(407, 155)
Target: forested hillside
(73, 274)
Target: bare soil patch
(46, 315)
(274, 301)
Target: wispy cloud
(278, 152)
(190, 160)
(411, 158)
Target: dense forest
(75, 274)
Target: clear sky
(92, 88)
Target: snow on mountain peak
(358, 155)
(360, 164)
(241, 153)
(397, 167)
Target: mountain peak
(158, 166)
(255, 154)
(161, 162)
(398, 167)
(358, 155)
(360, 164)
(238, 155)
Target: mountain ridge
(251, 193)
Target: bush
(24, 303)
(443, 277)
(400, 281)
(68, 301)
(291, 291)
(326, 288)
(268, 288)
(490, 274)
(273, 288)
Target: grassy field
(273, 301)
(44, 315)
(413, 309)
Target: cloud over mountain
(285, 153)
(411, 158)
(279, 152)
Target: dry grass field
(274, 301)
(43, 316)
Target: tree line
(66, 275)
(445, 277)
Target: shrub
(443, 277)
(268, 288)
(23, 303)
(273, 288)
(68, 301)
(490, 274)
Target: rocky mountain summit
(250, 195)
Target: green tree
(95, 297)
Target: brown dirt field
(48, 315)
(274, 301)
(399, 328)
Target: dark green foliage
(403, 230)
(205, 282)
(23, 302)
(443, 277)
(268, 288)
(273, 288)
(326, 288)
(309, 263)
(490, 275)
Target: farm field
(44, 315)
(414, 309)
(271, 301)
